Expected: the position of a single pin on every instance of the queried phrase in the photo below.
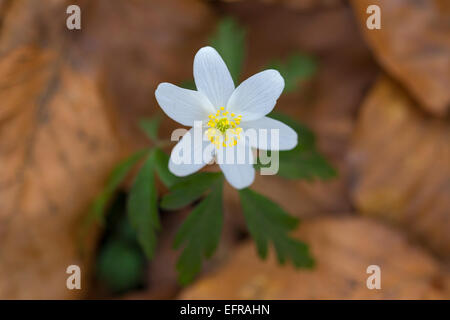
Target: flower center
(223, 128)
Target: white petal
(256, 96)
(238, 175)
(183, 105)
(212, 77)
(189, 154)
(287, 136)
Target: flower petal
(287, 136)
(183, 105)
(190, 154)
(239, 175)
(212, 77)
(256, 96)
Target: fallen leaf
(56, 148)
(343, 249)
(400, 165)
(413, 45)
(70, 105)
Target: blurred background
(378, 100)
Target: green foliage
(304, 161)
(188, 84)
(189, 189)
(269, 223)
(120, 263)
(150, 127)
(295, 69)
(120, 266)
(115, 179)
(142, 207)
(200, 234)
(305, 165)
(162, 168)
(229, 41)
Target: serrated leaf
(189, 189)
(142, 207)
(200, 234)
(269, 223)
(150, 127)
(304, 161)
(229, 41)
(162, 168)
(296, 68)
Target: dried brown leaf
(56, 147)
(343, 249)
(413, 45)
(400, 165)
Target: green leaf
(120, 266)
(269, 223)
(142, 207)
(188, 84)
(150, 127)
(115, 179)
(229, 41)
(296, 68)
(162, 169)
(304, 161)
(305, 165)
(189, 189)
(200, 234)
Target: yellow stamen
(223, 128)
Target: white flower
(225, 112)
